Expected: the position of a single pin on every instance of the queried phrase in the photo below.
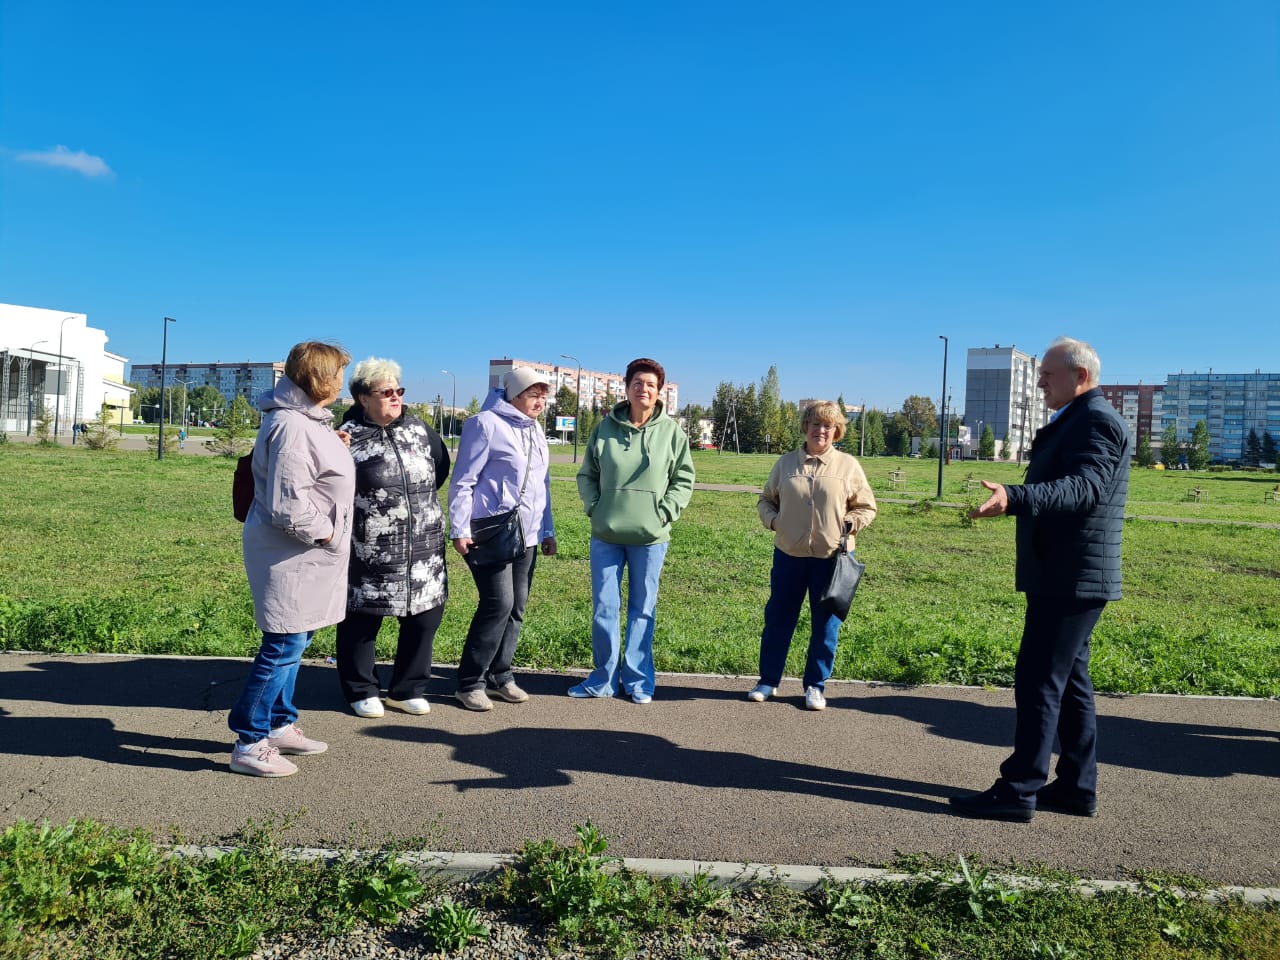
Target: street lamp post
(942, 433)
(31, 396)
(577, 414)
(453, 413)
(164, 369)
(57, 407)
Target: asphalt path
(1186, 784)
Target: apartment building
(1000, 392)
(597, 385)
(1141, 405)
(1230, 404)
(246, 379)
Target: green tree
(693, 415)
(235, 437)
(1170, 449)
(1252, 449)
(930, 451)
(1268, 448)
(1145, 456)
(772, 424)
(102, 434)
(1198, 448)
(1006, 448)
(987, 443)
(871, 426)
(921, 414)
(850, 442)
(44, 426)
(205, 402)
(897, 435)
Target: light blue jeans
(634, 669)
(266, 702)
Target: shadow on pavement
(1184, 749)
(525, 757)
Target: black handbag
(496, 540)
(499, 539)
(846, 574)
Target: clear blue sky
(722, 186)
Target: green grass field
(116, 552)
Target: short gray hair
(1079, 356)
(374, 370)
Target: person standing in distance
(1070, 515)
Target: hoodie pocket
(627, 516)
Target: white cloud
(60, 156)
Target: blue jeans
(634, 669)
(266, 702)
(789, 580)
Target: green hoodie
(635, 481)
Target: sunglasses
(388, 393)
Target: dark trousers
(490, 646)
(357, 672)
(1054, 696)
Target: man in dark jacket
(1070, 513)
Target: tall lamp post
(164, 369)
(57, 407)
(183, 409)
(577, 414)
(453, 414)
(31, 396)
(942, 432)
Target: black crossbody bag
(499, 539)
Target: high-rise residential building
(1000, 392)
(597, 385)
(246, 379)
(1230, 404)
(1141, 406)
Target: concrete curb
(482, 866)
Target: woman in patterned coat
(397, 543)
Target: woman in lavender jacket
(502, 461)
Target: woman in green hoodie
(636, 478)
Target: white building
(54, 359)
(1000, 393)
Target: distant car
(556, 440)
(136, 421)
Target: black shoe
(1058, 796)
(994, 804)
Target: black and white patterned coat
(397, 539)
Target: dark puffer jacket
(397, 539)
(1071, 509)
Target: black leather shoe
(1058, 796)
(994, 804)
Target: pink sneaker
(260, 760)
(292, 740)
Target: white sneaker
(760, 693)
(369, 707)
(814, 700)
(415, 705)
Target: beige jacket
(807, 500)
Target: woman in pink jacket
(297, 538)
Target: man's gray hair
(1079, 355)
(374, 370)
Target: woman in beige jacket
(812, 495)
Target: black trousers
(490, 647)
(1054, 697)
(411, 669)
